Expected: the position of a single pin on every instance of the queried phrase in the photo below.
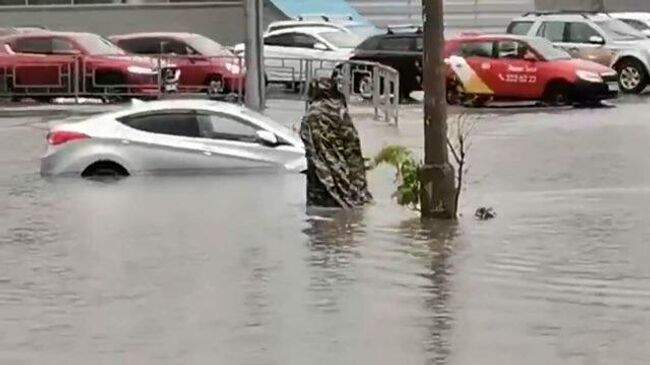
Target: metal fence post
(376, 90)
(76, 79)
(240, 83)
(395, 99)
(308, 71)
(387, 100)
(346, 81)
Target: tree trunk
(438, 191)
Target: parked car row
(36, 61)
(44, 64)
(614, 46)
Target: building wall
(223, 22)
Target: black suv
(400, 48)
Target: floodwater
(232, 269)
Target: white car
(294, 55)
(638, 21)
(172, 136)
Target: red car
(482, 68)
(45, 64)
(206, 66)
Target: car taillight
(60, 137)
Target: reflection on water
(233, 270)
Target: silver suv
(596, 37)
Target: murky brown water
(232, 270)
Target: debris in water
(484, 213)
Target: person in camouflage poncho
(336, 171)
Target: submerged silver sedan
(172, 136)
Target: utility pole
(254, 55)
(437, 175)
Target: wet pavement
(232, 270)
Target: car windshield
(207, 47)
(619, 31)
(363, 30)
(342, 39)
(547, 50)
(97, 45)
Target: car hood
(142, 61)
(580, 64)
(635, 44)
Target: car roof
(286, 24)
(153, 34)
(631, 15)
(306, 30)
(138, 106)
(491, 37)
(37, 33)
(572, 16)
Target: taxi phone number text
(518, 78)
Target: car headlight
(589, 76)
(233, 68)
(139, 70)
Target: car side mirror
(595, 39)
(320, 47)
(646, 32)
(267, 138)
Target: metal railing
(43, 78)
(360, 81)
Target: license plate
(612, 86)
(171, 87)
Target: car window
(184, 124)
(141, 45)
(553, 31)
(520, 28)
(33, 45)
(619, 31)
(636, 24)
(221, 126)
(62, 46)
(280, 40)
(476, 49)
(304, 40)
(511, 49)
(400, 44)
(172, 46)
(370, 44)
(579, 32)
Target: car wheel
(215, 86)
(105, 169)
(558, 94)
(632, 76)
(454, 91)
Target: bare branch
(452, 149)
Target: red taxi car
(46, 63)
(483, 68)
(206, 66)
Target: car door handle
(207, 153)
(126, 141)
